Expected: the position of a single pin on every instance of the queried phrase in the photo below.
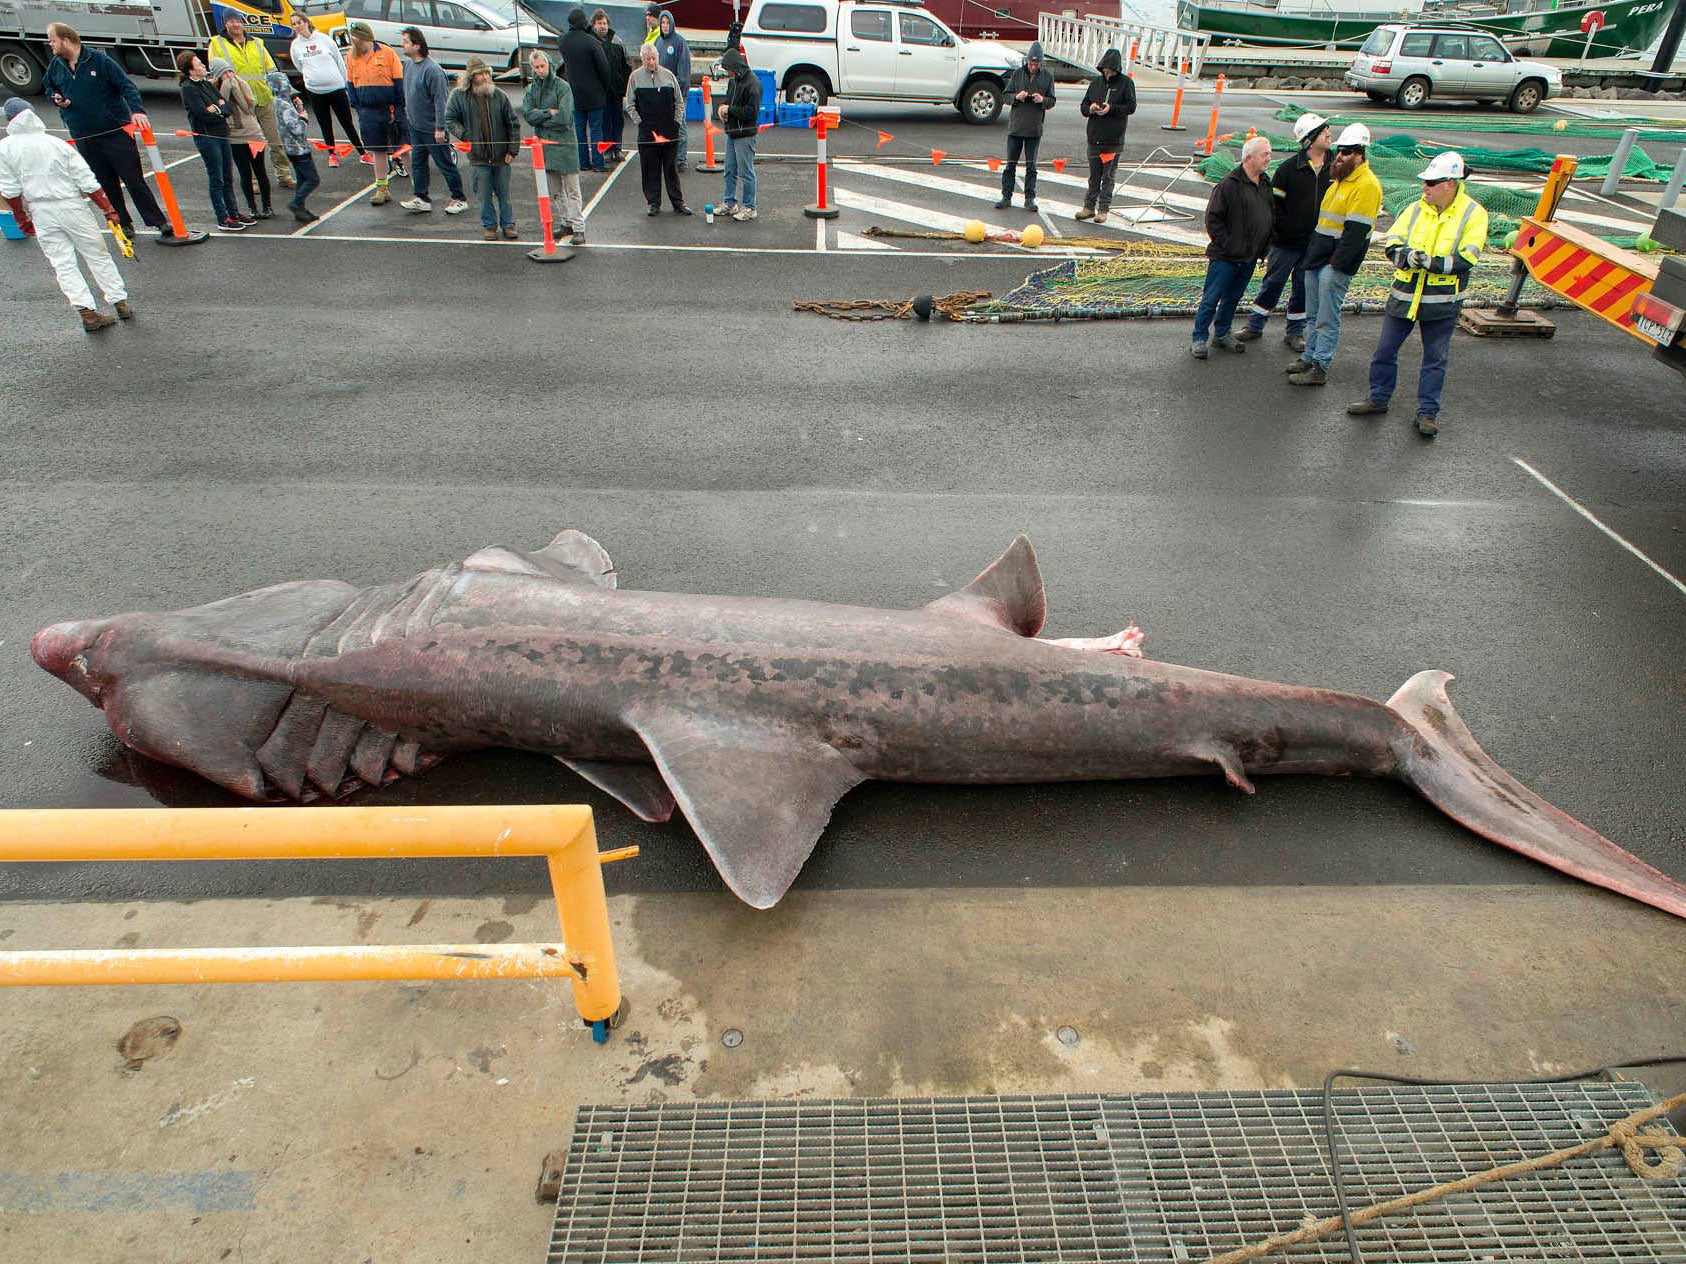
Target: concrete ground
(366, 403)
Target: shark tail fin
(1449, 769)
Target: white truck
(142, 36)
(875, 50)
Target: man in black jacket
(1030, 89)
(1108, 105)
(1298, 187)
(590, 78)
(741, 115)
(1238, 223)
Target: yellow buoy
(1560, 125)
(975, 231)
(1033, 236)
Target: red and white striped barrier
(180, 234)
(549, 252)
(824, 117)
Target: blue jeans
(614, 124)
(1437, 349)
(423, 147)
(1325, 294)
(1282, 268)
(740, 160)
(1016, 145)
(588, 126)
(304, 171)
(1226, 282)
(492, 184)
(682, 138)
(219, 170)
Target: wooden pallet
(1485, 322)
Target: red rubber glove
(99, 199)
(21, 214)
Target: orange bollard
(822, 208)
(709, 164)
(1206, 146)
(180, 234)
(1130, 65)
(1175, 125)
(548, 253)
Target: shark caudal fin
(1451, 771)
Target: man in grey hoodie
(1030, 89)
(675, 55)
(426, 90)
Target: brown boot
(123, 309)
(94, 321)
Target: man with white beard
(481, 117)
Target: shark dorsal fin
(572, 556)
(1007, 595)
(758, 796)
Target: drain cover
(1148, 1178)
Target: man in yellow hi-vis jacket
(1433, 245)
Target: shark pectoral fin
(1228, 759)
(572, 556)
(1007, 595)
(639, 787)
(757, 796)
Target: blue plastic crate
(9, 228)
(795, 115)
(693, 106)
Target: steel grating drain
(1153, 1177)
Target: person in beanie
(295, 143)
(621, 61)
(96, 102)
(549, 108)
(48, 185)
(740, 115)
(652, 23)
(1238, 224)
(322, 66)
(1030, 89)
(207, 116)
(252, 62)
(1434, 244)
(425, 92)
(243, 134)
(481, 117)
(1339, 243)
(587, 67)
(1297, 190)
(675, 55)
(1108, 105)
(655, 104)
(375, 79)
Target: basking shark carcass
(753, 715)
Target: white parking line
(334, 210)
(1016, 253)
(598, 196)
(1586, 513)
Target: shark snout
(63, 648)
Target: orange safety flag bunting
(995, 164)
(937, 156)
(884, 138)
(1058, 165)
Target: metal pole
(1618, 161)
(1671, 191)
(1666, 50)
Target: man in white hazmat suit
(48, 177)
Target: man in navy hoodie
(97, 101)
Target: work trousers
(1027, 146)
(306, 177)
(69, 229)
(1284, 267)
(252, 171)
(219, 173)
(588, 129)
(116, 163)
(566, 204)
(1226, 282)
(423, 148)
(328, 106)
(1098, 196)
(492, 184)
(1437, 350)
(658, 162)
(1325, 295)
(740, 166)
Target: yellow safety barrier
(563, 835)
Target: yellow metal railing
(563, 835)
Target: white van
(455, 29)
(875, 50)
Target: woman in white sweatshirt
(317, 58)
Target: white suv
(1410, 64)
(877, 50)
(455, 30)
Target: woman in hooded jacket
(1108, 105)
(244, 131)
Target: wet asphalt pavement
(367, 409)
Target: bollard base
(192, 237)
(558, 255)
(821, 212)
(710, 168)
(1172, 127)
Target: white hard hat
(1354, 134)
(1448, 165)
(1308, 124)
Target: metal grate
(1148, 1178)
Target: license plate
(1657, 333)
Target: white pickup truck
(876, 50)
